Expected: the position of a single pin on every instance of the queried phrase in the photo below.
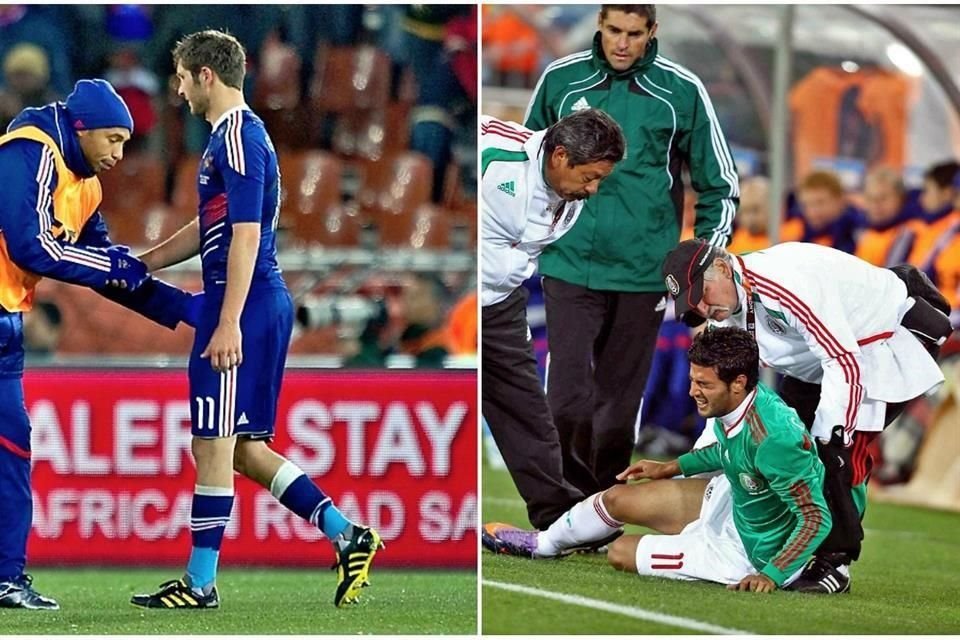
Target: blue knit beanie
(95, 105)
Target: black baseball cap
(683, 272)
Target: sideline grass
(254, 601)
(906, 582)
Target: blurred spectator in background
(826, 217)
(129, 27)
(940, 257)
(511, 48)
(890, 229)
(425, 335)
(32, 24)
(422, 332)
(442, 104)
(26, 82)
(753, 216)
(670, 423)
(463, 325)
(41, 330)
(139, 88)
(940, 200)
(938, 191)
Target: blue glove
(192, 309)
(126, 271)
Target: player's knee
(621, 553)
(614, 501)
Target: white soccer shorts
(708, 548)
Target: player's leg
(708, 548)
(213, 411)
(291, 486)
(622, 355)
(267, 326)
(664, 505)
(16, 502)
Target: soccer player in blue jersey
(244, 327)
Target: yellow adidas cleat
(353, 564)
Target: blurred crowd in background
(373, 113)
(873, 149)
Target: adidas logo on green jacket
(508, 188)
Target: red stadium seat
(397, 185)
(277, 86)
(427, 228)
(310, 200)
(130, 190)
(185, 197)
(348, 79)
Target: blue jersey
(238, 181)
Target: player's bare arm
(650, 470)
(182, 245)
(224, 349)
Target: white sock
(587, 521)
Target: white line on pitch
(621, 609)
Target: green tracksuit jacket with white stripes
(629, 226)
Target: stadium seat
(277, 85)
(130, 190)
(397, 185)
(427, 228)
(185, 197)
(310, 200)
(349, 79)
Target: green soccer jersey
(776, 481)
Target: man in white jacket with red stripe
(854, 344)
(533, 188)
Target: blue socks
(208, 521)
(297, 492)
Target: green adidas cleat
(176, 594)
(354, 557)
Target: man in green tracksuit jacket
(602, 284)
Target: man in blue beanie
(50, 227)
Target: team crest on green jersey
(752, 485)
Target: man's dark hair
(589, 136)
(942, 174)
(729, 350)
(648, 11)
(219, 51)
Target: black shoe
(354, 557)
(597, 546)
(826, 574)
(176, 594)
(20, 594)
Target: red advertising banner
(113, 476)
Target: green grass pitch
(906, 582)
(253, 601)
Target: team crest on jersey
(672, 285)
(776, 327)
(751, 485)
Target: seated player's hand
(126, 271)
(649, 470)
(758, 583)
(225, 347)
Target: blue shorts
(242, 401)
